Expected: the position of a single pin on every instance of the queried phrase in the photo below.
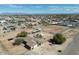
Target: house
(35, 31)
(38, 35)
(9, 28)
(29, 42)
(2, 21)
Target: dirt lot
(70, 33)
(54, 28)
(45, 48)
(7, 45)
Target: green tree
(58, 38)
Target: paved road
(73, 48)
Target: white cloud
(15, 6)
(36, 7)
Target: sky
(40, 8)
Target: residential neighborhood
(35, 34)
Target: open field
(54, 29)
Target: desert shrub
(22, 34)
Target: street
(73, 48)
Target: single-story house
(29, 42)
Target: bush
(22, 34)
(58, 39)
